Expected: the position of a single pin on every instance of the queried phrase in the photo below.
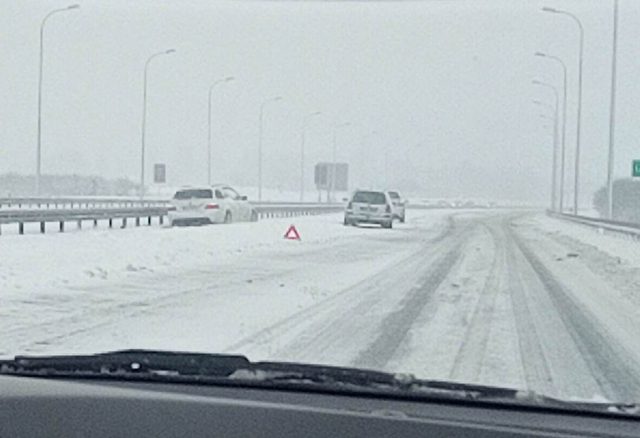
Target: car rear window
(370, 197)
(394, 195)
(194, 193)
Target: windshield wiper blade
(126, 362)
(170, 366)
(236, 368)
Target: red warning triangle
(292, 233)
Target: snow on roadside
(614, 245)
(115, 287)
(62, 263)
(51, 262)
(614, 258)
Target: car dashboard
(44, 407)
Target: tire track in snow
(609, 363)
(95, 314)
(535, 365)
(396, 325)
(317, 329)
(468, 362)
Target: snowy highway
(501, 298)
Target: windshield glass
(369, 197)
(512, 259)
(194, 194)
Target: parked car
(210, 205)
(369, 207)
(398, 204)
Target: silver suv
(369, 207)
(398, 206)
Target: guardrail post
(42, 227)
(149, 221)
(95, 223)
(62, 226)
(137, 221)
(79, 224)
(21, 228)
(124, 222)
(110, 222)
(161, 219)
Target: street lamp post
(612, 111)
(555, 137)
(576, 175)
(551, 125)
(144, 116)
(305, 122)
(220, 81)
(564, 123)
(40, 74)
(332, 182)
(273, 99)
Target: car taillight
(388, 208)
(212, 206)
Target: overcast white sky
(446, 84)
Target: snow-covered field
(495, 297)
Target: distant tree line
(626, 200)
(16, 185)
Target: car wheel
(227, 218)
(254, 216)
(387, 224)
(347, 222)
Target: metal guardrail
(44, 215)
(77, 202)
(619, 227)
(62, 216)
(456, 207)
(273, 210)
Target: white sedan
(210, 205)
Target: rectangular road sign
(636, 168)
(160, 173)
(321, 176)
(324, 174)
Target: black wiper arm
(283, 371)
(235, 368)
(205, 368)
(126, 362)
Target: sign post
(635, 170)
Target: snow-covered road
(501, 298)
